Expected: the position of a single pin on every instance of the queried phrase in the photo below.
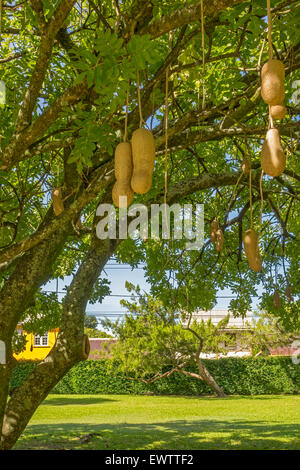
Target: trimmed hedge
(241, 376)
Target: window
(41, 340)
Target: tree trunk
(28, 396)
(69, 349)
(203, 372)
(208, 378)
(4, 383)
(31, 271)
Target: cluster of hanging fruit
(273, 163)
(273, 160)
(134, 165)
(134, 161)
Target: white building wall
(216, 315)
(2, 353)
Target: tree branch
(215, 133)
(49, 31)
(102, 178)
(187, 15)
(17, 150)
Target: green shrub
(240, 376)
(20, 373)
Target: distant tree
(91, 322)
(267, 332)
(155, 342)
(93, 333)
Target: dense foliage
(91, 322)
(94, 333)
(67, 67)
(241, 376)
(266, 333)
(102, 58)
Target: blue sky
(118, 275)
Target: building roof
(100, 347)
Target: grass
(164, 422)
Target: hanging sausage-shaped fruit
(288, 293)
(272, 82)
(122, 194)
(278, 111)
(2, 92)
(252, 250)
(214, 226)
(57, 200)
(123, 173)
(246, 165)
(143, 155)
(219, 240)
(276, 299)
(273, 160)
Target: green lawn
(156, 422)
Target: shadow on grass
(199, 434)
(70, 400)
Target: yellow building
(37, 347)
